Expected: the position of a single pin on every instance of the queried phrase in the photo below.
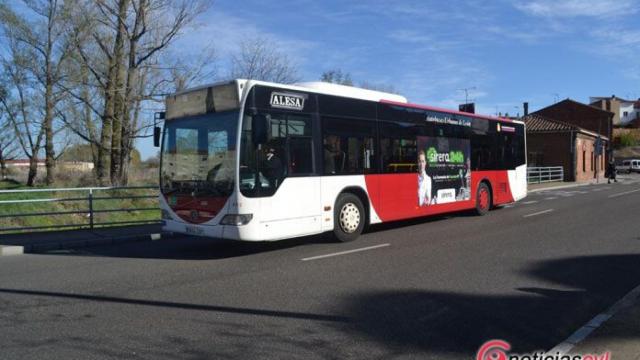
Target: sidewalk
(562, 185)
(70, 239)
(619, 335)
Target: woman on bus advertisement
(446, 165)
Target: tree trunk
(88, 117)
(105, 136)
(33, 170)
(48, 133)
(119, 101)
(116, 131)
(3, 166)
(128, 127)
(104, 147)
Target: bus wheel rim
(484, 199)
(349, 218)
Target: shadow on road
(537, 319)
(410, 321)
(189, 248)
(184, 247)
(169, 304)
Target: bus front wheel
(348, 217)
(483, 199)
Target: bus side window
(399, 155)
(483, 156)
(348, 146)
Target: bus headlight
(236, 219)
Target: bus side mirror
(156, 136)
(259, 129)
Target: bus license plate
(194, 230)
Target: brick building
(555, 143)
(585, 116)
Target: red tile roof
(537, 123)
(540, 124)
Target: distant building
(555, 143)
(20, 163)
(567, 134)
(76, 165)
(585, 116)
(66, 165)
(626, 112)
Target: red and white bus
(257, 161)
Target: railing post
(91, 209)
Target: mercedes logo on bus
(195, 214)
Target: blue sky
(509, 51)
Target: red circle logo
(493, 350)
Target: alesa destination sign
(287, 101)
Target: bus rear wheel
(483, 199)
(348, 217)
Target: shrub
(628, 139)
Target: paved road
(531, 273)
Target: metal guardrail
(536, 175)
(81, 203)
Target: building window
(584, 161)
(625, 114)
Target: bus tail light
(236, 219)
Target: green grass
(67, 203)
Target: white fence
(536, 175)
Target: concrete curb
(9, 250)
(76, 244)
(630, 299)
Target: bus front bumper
(211, 231)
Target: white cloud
(224, 32)
(620, 37)
(578, 8)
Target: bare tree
(8, 145)
(42, 35)
(17, 100)
(187, 71)
(336, 76)
(388, 88)
(260, 59)
(130, 35)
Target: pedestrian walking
(611, 172)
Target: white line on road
(345, 252)
(530, 202)
(540, 213)
(551, 198)
(623, 193)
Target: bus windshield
(198, 155)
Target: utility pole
(466, 93)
